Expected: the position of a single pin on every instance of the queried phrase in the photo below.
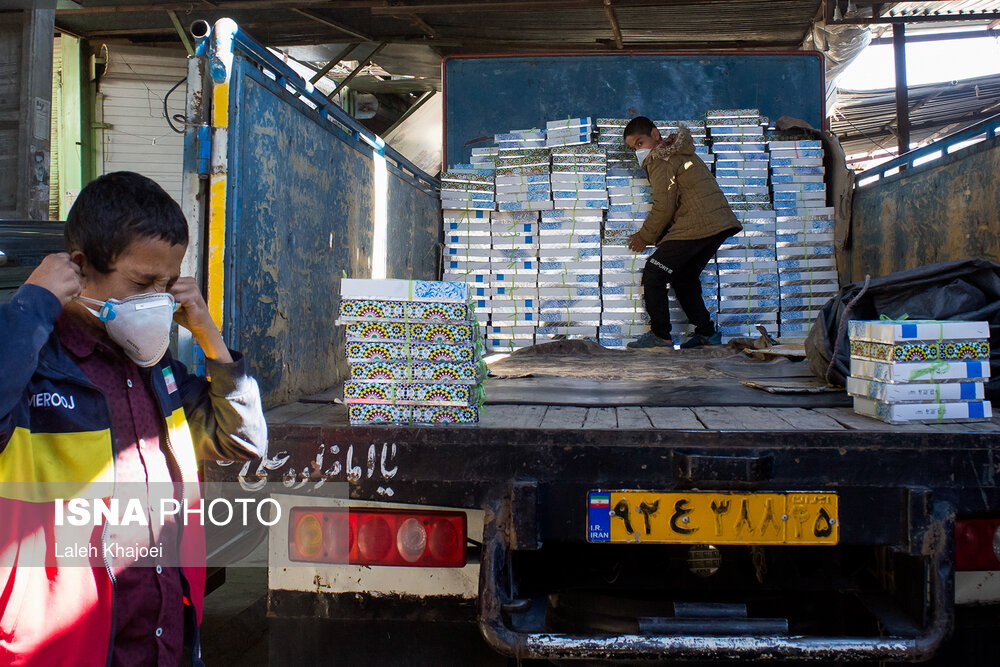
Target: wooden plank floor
(735, 418)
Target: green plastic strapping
(936, 367)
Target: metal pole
(357, 70)
(902, 97)
(334, 62)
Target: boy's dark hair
(115, 210)
(639, 125)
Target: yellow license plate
(703, 517)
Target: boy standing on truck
(689, 220)
(91, 398)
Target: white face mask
(641, 154)
(140, 324)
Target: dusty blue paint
(300, 213)
(945, 210)
(485, 96)
(414, 229)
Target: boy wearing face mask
(90, 395)
(689, 220)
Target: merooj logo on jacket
(52, 400)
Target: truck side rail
(932, 152)
(296, 85)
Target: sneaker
(697, 340)
(650, 339)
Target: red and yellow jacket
(56, 442)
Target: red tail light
(361, 536)
(977, 544)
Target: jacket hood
(679, 143)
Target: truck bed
(579, 385)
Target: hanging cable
(178, 117)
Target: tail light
(361, 536)
(977, 544)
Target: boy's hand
(193, 315)
(636, 243)
(58, 275)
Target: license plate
(702, 517)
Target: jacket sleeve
(224, 413)
(26, 322)
(663, 179)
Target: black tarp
(967, 290)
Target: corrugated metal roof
(865, 121)
(464, 26)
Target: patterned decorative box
(947, 350)
(354, 310)
(385, 351)
(419, 371)
(888, 331)
(414, 331)
(399, 414)
(406, 393)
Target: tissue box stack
(513, 281)
(609, 137)
(623, 314)
(467, 251)
(485, 158)
(520, 139)
(568, 132)
(463, 187)
(578, 178)
(807, 270)
(522, 180)
(414, 352)
(569, 272)
(919, 371)
(797, 175)
(741, 158)
(748, 278)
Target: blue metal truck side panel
(300, 214)
(931, 213)
(414, 229)
(488, 95)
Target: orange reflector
(363, 536)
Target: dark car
(23, 245)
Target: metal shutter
(132, 89)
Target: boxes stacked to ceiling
(414, 352)
(807, 270)
(513, 280)
(748, 280)
(919, 371)
(569, 132)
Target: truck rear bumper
(498, 633)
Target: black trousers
(679, 264)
